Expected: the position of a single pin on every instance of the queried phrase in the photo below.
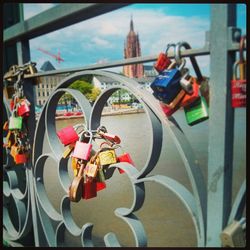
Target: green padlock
(197, 111)
(15, 122)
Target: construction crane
(57, 57)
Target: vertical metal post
(221, 122)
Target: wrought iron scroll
(54, 224)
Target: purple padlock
(82, 149)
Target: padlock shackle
(192, 58)
(242, 41)
(169, 45)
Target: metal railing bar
(143, 59)
(56, 18)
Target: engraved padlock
(82, 149)
(68, 150)
(107, 155)
(238, 88)
(197, 111)
(68, 134)
(91, 168)
(124, 157)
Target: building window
(43, 93)
(47, 93)
(39, 94)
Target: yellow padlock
(107, 157)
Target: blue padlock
(167, 85)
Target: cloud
(104, 35)
(101, 42)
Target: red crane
(57, 57)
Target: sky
(101, 39)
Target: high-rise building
(132, 49)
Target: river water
(166, 221)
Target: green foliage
(94, 94)
(83, 86)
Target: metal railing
(209, 207)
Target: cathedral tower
(132, 49)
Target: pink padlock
(23, 108)
(67, 135)
(82, 149)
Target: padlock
(163, 61)
(243, 63)
(167, 85)
(6, 126)
(23, 108)
(67, 135)
(100, 179)
(190, 98)
(15, 122)
(89, 190)
(10, 139)
(168, 111)
(82, 149)
(197, 111)
(21, 157)
(77, 185)
(107, 155)
(234, 235)
(176, 100)
(91, 168)
(186, 83)
(68, 150)
(110, 137)
(124, 157)
(14, 150)
(238, 89)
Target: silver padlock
(185, 83)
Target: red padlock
(167, 110)
(89, 190)
(125, 157)
(23, 108)
(238, 89)
(162, 62)
(21, 158)
(190, 98)
(113, 138)
(67, 135)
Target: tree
(94, 94)
(83, 86)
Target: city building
(132, 49)
(46, 84)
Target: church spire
(131, 24)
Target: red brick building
(132, 49)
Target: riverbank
(106, 112)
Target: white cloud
(104, 36)
(101, 42)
